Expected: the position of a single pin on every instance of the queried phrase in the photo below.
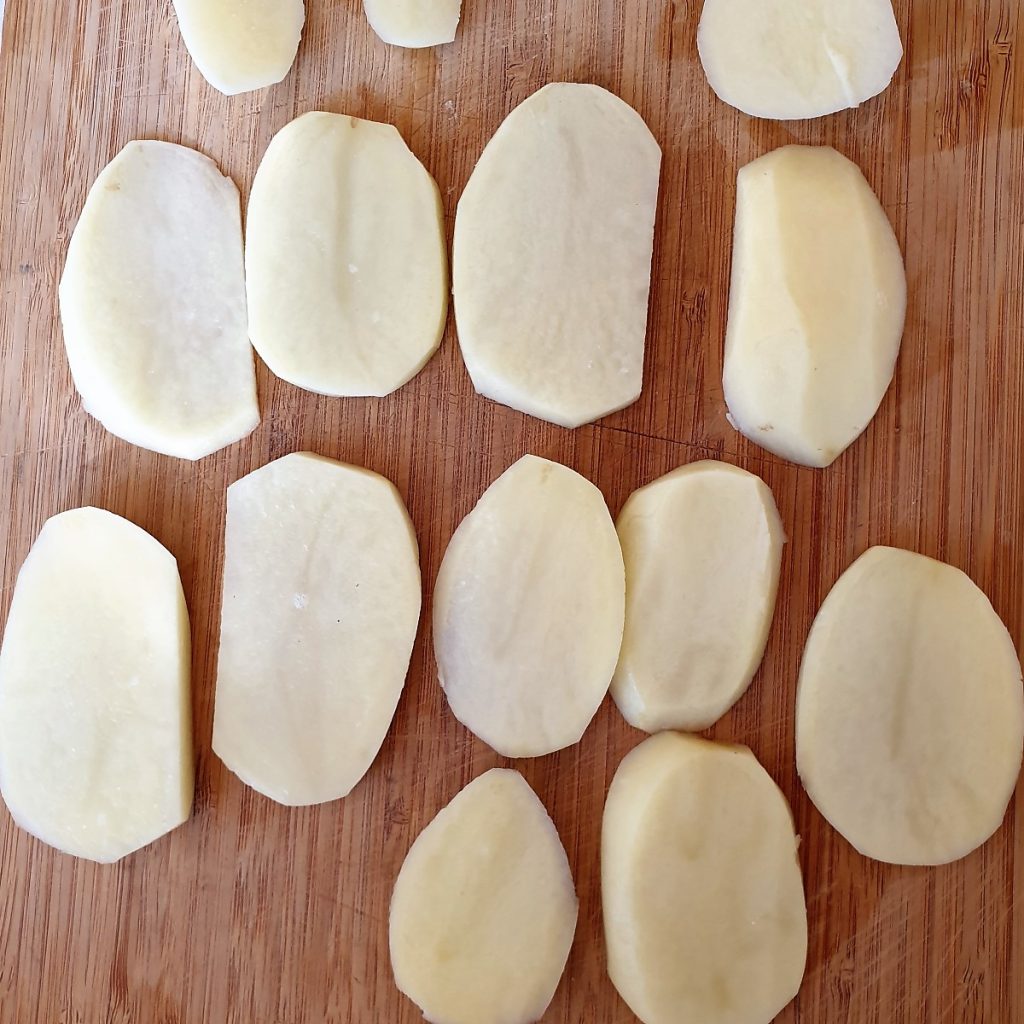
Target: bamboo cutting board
(255, 913)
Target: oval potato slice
(95, 720)
(528, 610)
(345, 257)
(414, 23)
(484, 909)
(910, 710)
(320, 607)
(552, 256)
(704, 913)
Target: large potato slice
(95, 721)
(484, 909)
(910, 710)
(414, 23)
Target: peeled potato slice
(528, 610)
(552, 257)
(816, 306)
(152, 302)
(788, 59)
(240, 45)
(484, 909)
(704, 912)
(320, 607)
(414, 23)
(702, 548)
(95, 721)
(345, 257)
(910, 710)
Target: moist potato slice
(414, 23)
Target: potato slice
(345, 257)
(414, 23)
(704, 913)
(816, 306)
(320, 607)
(702, 548)
(910, 710)
(484, 909)
(528, 610)
(552, 258)
(95, 720)
(787, 59)
(152, 303)
(241, 45)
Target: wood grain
(256, 913)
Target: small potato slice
(528, 610)
(95, 720)
(484, 909)
(152, 303)
(320, 607)
(345, 257)
(910, 710)
(702, 548)
(414, 23)
(704, 913)
(816, 305)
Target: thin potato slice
(414, 23)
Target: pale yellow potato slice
(816, 305)
(484, 909)
(95, 720)
(792, 59)
(319, 612)
(345, 257)
(910, 710)
(702, 548)
(152, 303)
(414, 23)
(241, 45)
(552, 256)
(528, 610)
(704, 914)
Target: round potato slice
(528, 610)
(345, 257)
(484, 909)
(414, 23)
(552, 256)
(702, 548)
(152, 303)
(704, 913)
(95, 720)
(910, 710)
(320, 607)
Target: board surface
(261, 914)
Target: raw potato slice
(484, 909)
(95, 720)
(789, 59)
(528, 610)
(910, 710)
(152, 303)
(816, 305)
(414, 23)
(552, 258)
(320, 607)
(702, 548)
(345, 257)
(240, 45)
(704, 913)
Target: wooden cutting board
(255, 913)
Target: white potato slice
(484, 909)
(704, 913)
(552, 257)
(241, 45)
(319, 613)
(95, 719)
(152, 302)
(910, 710)
(414, 23)
(792, 59)
(702, 548)
(345, 257)
(528, 610)
(816, 305)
